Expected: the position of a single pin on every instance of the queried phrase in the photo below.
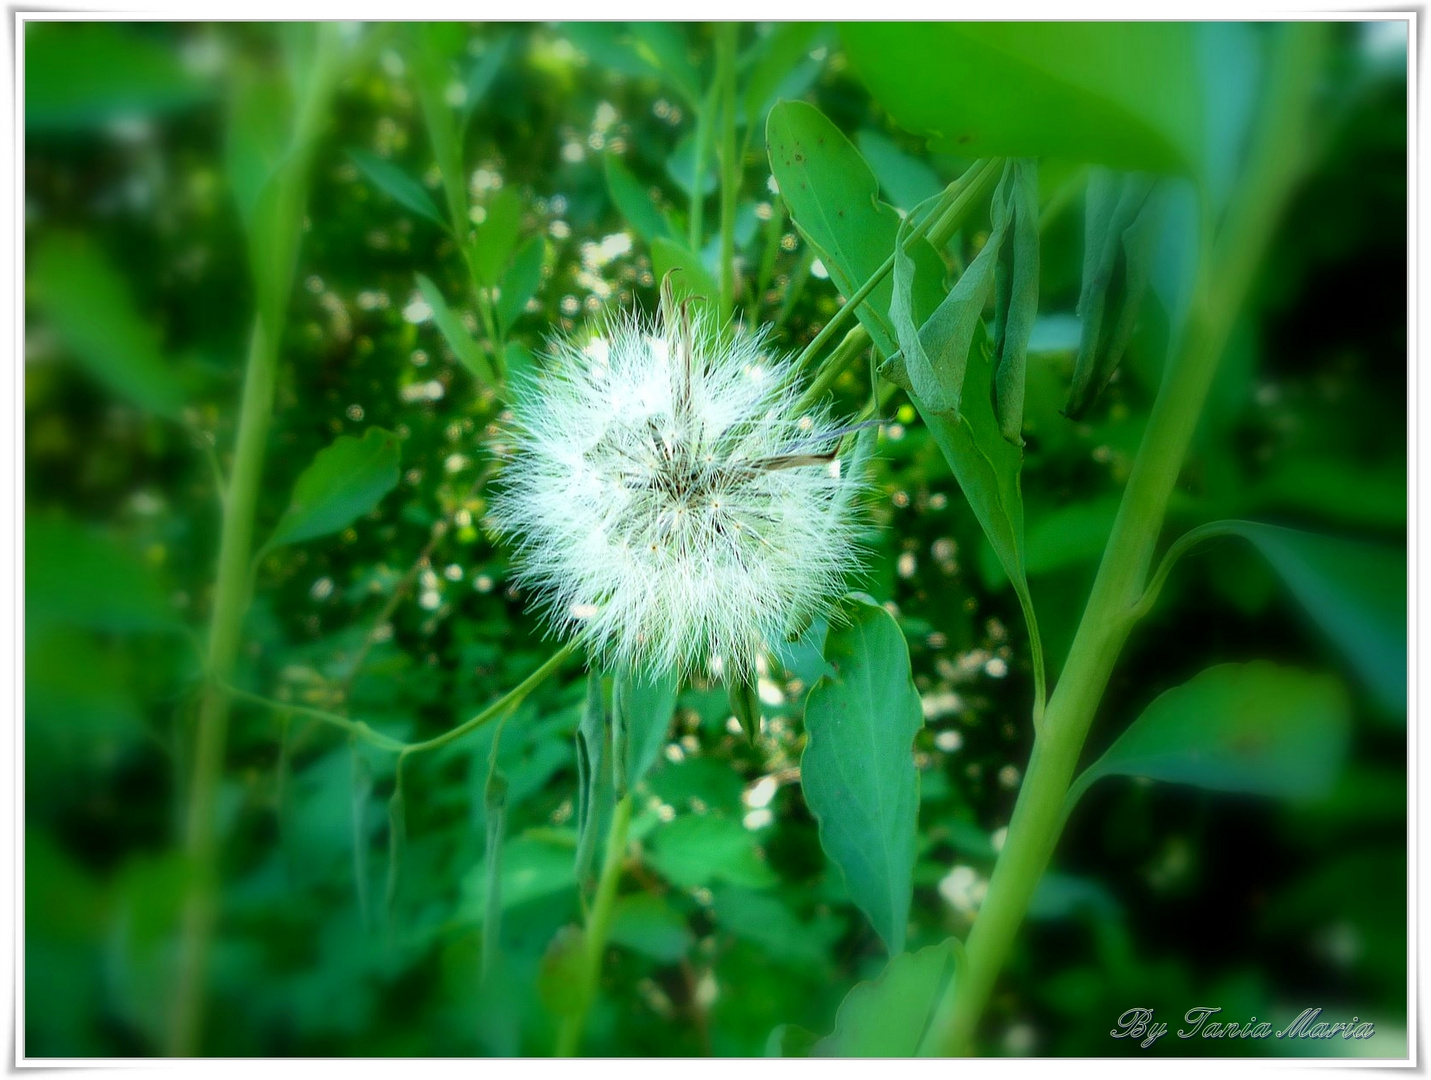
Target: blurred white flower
(666, 502)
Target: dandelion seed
(665, 506)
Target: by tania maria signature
(1141, 1025)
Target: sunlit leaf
(346, 480)
(858, 770)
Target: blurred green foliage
(572, 149)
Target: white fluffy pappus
(665, 502)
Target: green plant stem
(729, 163)
(1225, 274)
(598, 926)
(704, 124)
(943, 221)
(359, 730)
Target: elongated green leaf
(890, 1016)
(634, 201)
(83, 75)
(1255, 728)
(495, 801)
(681, 168)
(933, 355)
(745, 706)
(590, 757)
(521, 281)
(858, 768)
(665, 47)
(1016, 297)
(1122, 94)
(833, 199)
(483, 73)
(497, 236)
(468, 352)
(1120, 232)
(87, 303)
(346, 480)
(986, 465)
(399, 185)
(1354, 591)
(644, 708)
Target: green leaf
(1255, 728)
(83, 75)
(665, 47)
(858, 768)
(468, 352)
(561, 979)
(790, 1041)
(681, 168)
(833, 199)
(399, 185)
(1354, 591)
(905, 180)
(483, 73)
(521, 281)
(934, 354)
(644, 710)
(494, 799)
(532, 869)
(1016, 296)
(1120, 233)
(784, 59)
(767, 921)
(1122, 94)
(87, 303)
(698, 850)
(497, 236)
(75, 576)
(634, 201)
(691, 278)
(987, 467)
(345, 481)
(889, 1016)
(646, 923)
(590, 757)
(745, 706)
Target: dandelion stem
(598, 926)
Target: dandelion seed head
(665, 501)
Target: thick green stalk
(1226, 270)
(598, 926)
(729, 163)
(231, 588)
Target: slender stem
(358, 729)
(1225, 274)
(729, 163)
(704, 117)
(598, 926)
